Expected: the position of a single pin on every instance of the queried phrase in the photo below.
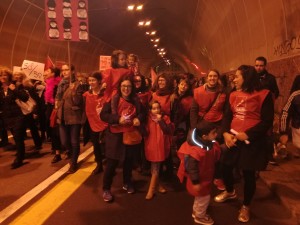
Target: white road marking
(12, 208)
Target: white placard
(33, 70)
(105, 62)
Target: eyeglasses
(137, 81)
(126, 86)
(259, 65)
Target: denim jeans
(70, 139)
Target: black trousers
(98, 148)
(111, 165)
(249, 182)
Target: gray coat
(70, 106)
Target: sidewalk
(284, 181)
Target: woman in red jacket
(94, 101)
(248, 117)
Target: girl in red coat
(112, 76)
(162, 93)
(198, 156)
(157, 143)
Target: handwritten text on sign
(33, 70)
(105, 62)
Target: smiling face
(94, 83)
(162, 83)
(126, 88)
(238, 80)
(212, 79)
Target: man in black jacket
(268, 81)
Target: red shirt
(204, 99)
(246, 108)
(93, 107)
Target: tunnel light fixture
(130, 7)
(155, 45)
(135, 7)
(156, 40)
(139, 7)
(144, 23)
(151, 33)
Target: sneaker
(107, 196)
(129, 188)
(244, 214)
(219, 184)
(56, 158)
(206, 220)
(224, 196)
(273, 162)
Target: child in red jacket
(198, 156)
(157, 144)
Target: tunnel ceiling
(197, 34)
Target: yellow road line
(40, 211)
(15, 206)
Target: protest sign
(33, 70)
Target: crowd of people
(213, 127)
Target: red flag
(153, 75)
(48, 63)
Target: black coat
(114, 147)
(253, 156)
(11, 112)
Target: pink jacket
(50, 85)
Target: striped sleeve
(284, 119)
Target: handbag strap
(212, 104)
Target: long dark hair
(251, 79)
(168, 89)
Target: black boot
(98, 169)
